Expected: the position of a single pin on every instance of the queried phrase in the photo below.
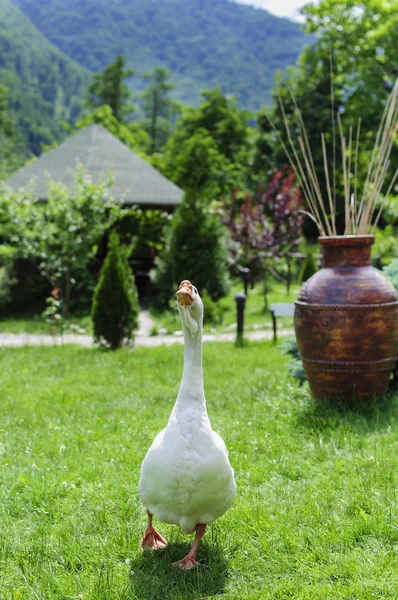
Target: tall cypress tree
(115, 302)
(195, 248)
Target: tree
(363, 37)
(196, 165)
(10, 150)
(281, 202)
(194, 249)
(115, 301)
(158, 107)
(222, 118)
(110, 88)
(268, 227)
(62, 235)
(208, 148)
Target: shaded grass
(316, 511)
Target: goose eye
(195, 290)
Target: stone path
(143, 337)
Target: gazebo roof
(101, 154)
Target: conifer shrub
(391, 271)
(295, 366)
(115, 302)
(308, 269)
(195, 249)
(213, 312)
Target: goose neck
(192, 389)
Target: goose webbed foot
(152, 540)
(189, 562)
(186, 563)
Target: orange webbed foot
(152, 540)
(186, 564)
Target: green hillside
(45, 86)
(204, 43)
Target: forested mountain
(45, 87)
(204, 43)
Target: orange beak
(185, 295)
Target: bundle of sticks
(362, 208)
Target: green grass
(257, 316)
(315, 517)
(36, 324)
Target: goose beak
(184, 294)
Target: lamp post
(240, 300)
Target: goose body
(186, 477)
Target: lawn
(315, 515)
(36, 324)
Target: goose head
(190, 306)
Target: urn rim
(347, 240)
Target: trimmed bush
(213, 312)
(391, 271)
(195, 249)
(295, 366)
(308, 269)
(115, 302)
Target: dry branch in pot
(360, 215)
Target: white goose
(186, 478)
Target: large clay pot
(346, 322)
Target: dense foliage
(61, 236)
(45, 86)
(204, 43)
(195, 250)
(115, 301)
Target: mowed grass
(36, 324)
(315, 515)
